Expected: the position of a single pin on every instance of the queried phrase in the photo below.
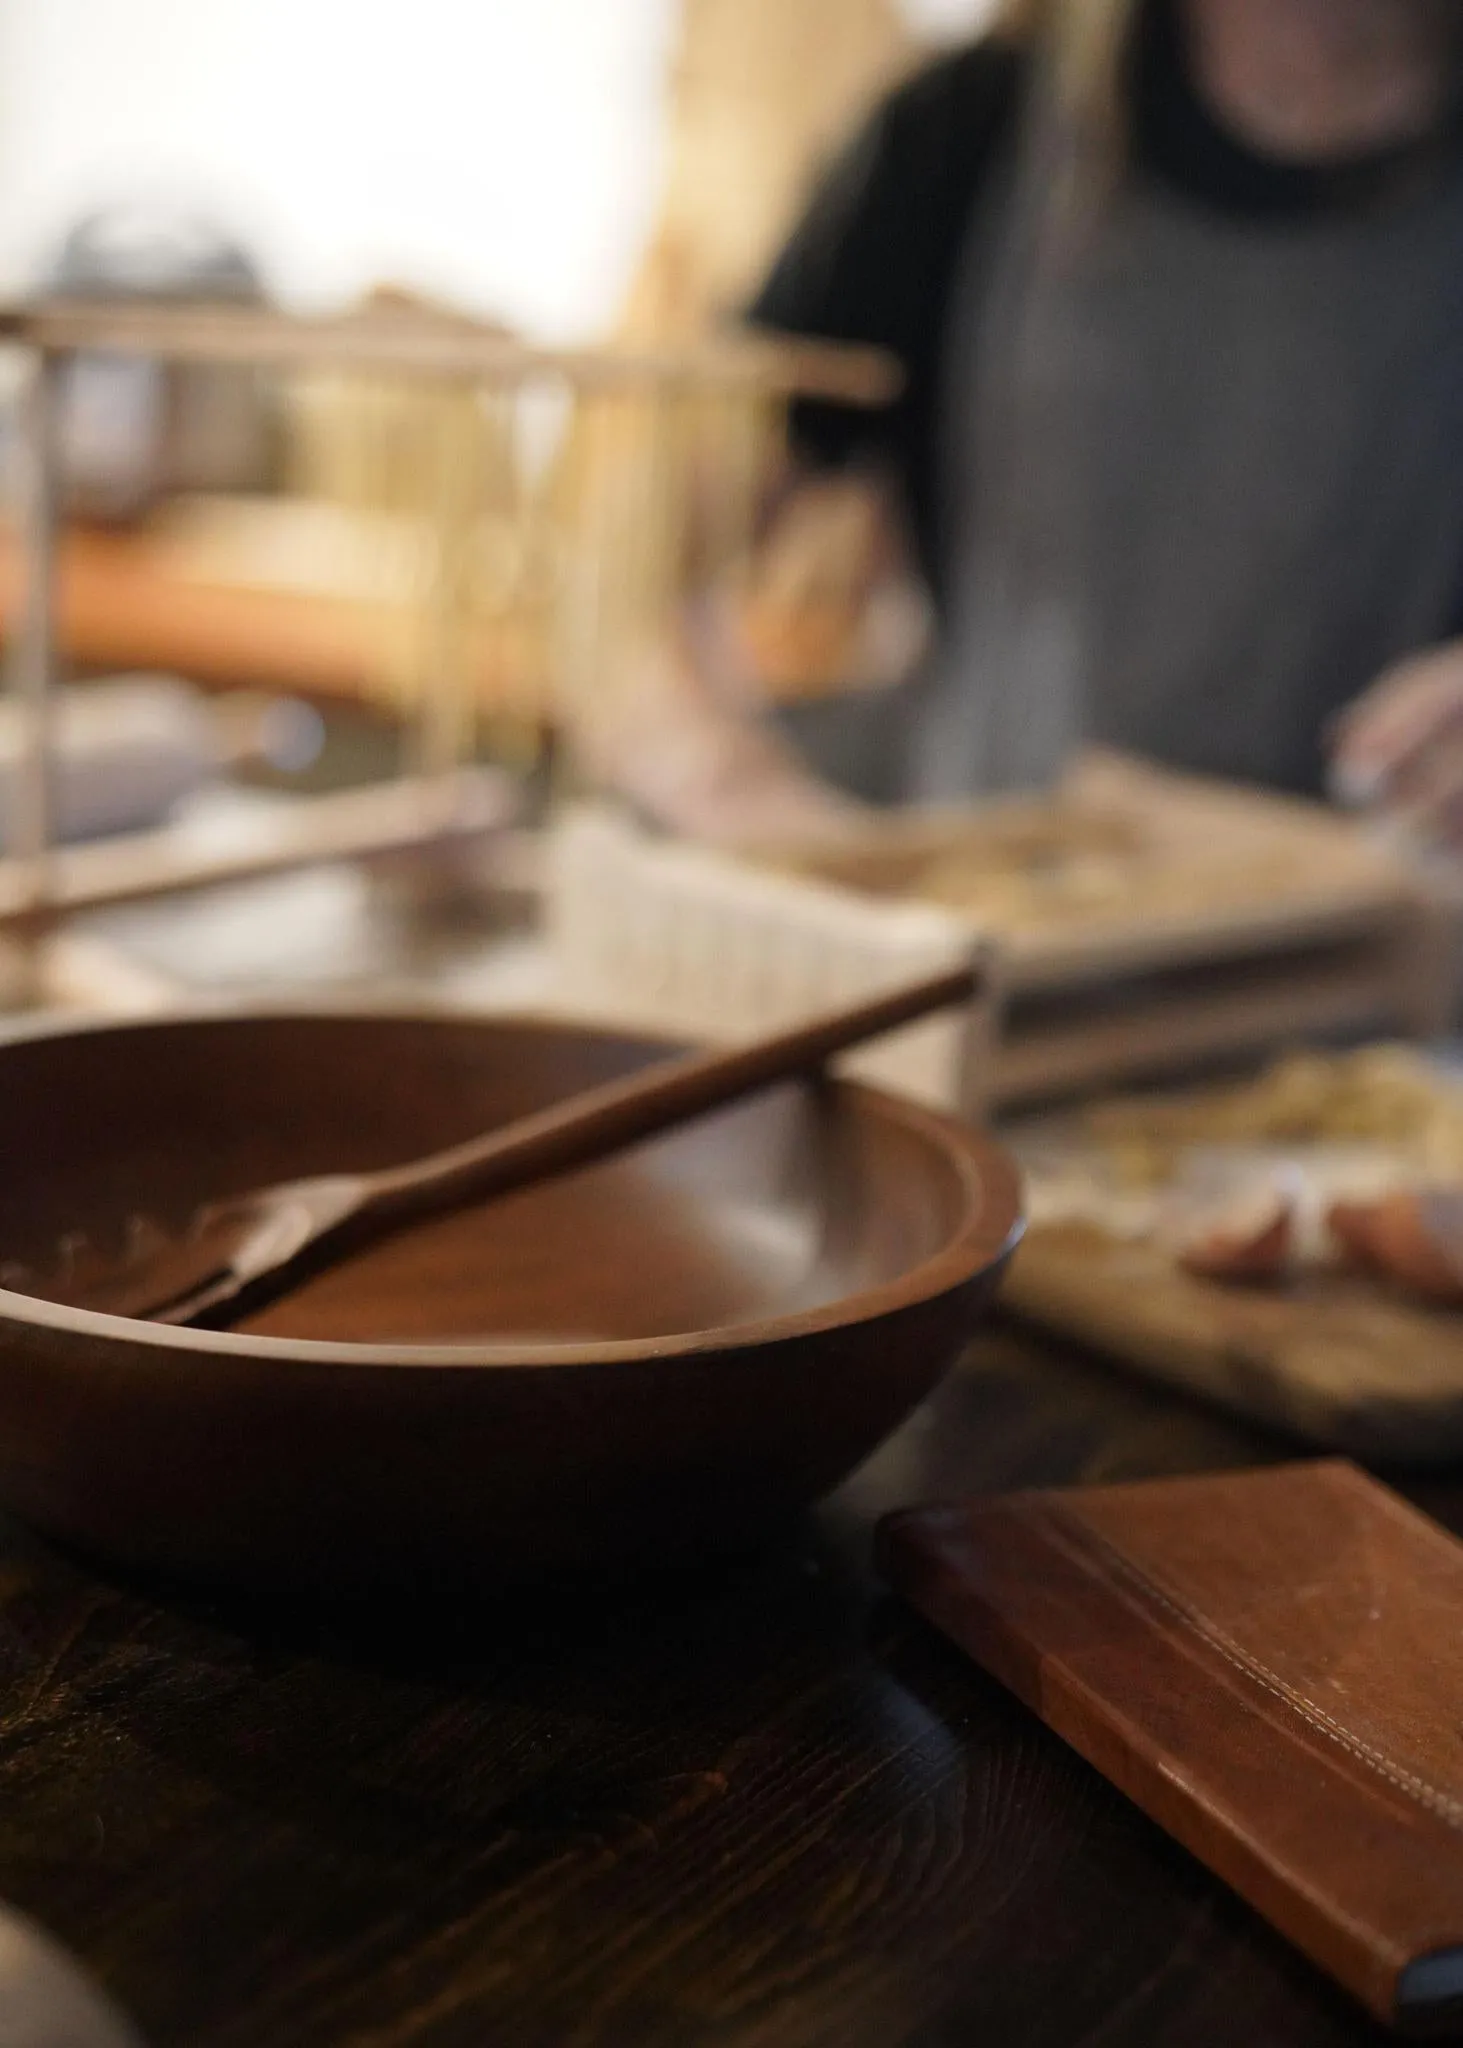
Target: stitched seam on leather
(1430, 1797)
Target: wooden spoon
(236, 1255)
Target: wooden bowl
(648, 1361)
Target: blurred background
(283, 573)
(313, 579)
(510, 157)
(568, 171)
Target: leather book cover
(1270, 1664)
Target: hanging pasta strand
(393, 518)
(445, 710)
(504, 592)
(651, 477)
(589, 522)
(742, 455)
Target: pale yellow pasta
(1389, 1097)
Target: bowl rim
(990, 1229)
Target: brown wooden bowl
(656, 1358)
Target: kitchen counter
(762, 1806)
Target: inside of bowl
(792, 1200)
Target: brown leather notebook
(1270, 1664)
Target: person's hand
(701, 769)
(827, 598)
(732, 784)
(1399, 747)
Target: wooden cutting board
(1331, 1358)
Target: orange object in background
(123, 604)
(131, 600)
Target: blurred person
(1177, 288)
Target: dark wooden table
(767, 1807)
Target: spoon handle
(589, 1126)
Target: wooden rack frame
(440, 801)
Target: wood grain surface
(765, 1806)
(1344, 1362)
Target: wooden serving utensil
(236, 1255)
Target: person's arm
(689, 741)
(704, 768)
(872, 263)
(1399, 747)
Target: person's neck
(1324, 80)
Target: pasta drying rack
(639, 421)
